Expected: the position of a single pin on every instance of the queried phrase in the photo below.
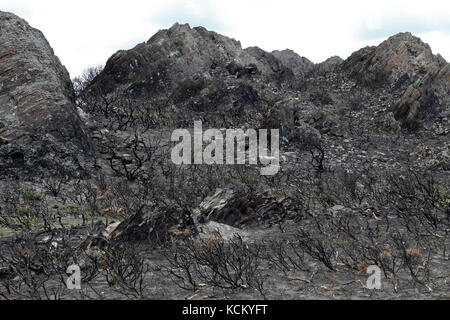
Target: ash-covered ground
(87, 177)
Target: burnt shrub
(214, 261)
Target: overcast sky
(87, 32)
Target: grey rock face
(170, 55)
(271, 68)
(299, 65)
(226, 211)
(424, 99)
(193, 71)
(328, 65)
(407, 65)
(238, 210)
(172, 58)
(402, 58)
(37, 114)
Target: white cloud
(85, 33)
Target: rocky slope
(39, 125)
(354, 188)
(335, 105)
(401, 58)
(181, 53)
(407, 67)
(426, 100)
(199, 71)
(325, 106)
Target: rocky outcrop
(202, 74)
(240, 210)
(328, 65)
(39, 125)
(299, 65)
(182, 61)
(156, 227)
(401, 59)
(407, 66)
(271, 68)
(196, 73)
(425, 99)
(168, 57)
(225, 211)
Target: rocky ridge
(406, 65)
(182, 53)
(401, 58)
(299, 65)
(39, 125)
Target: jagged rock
(198, 70)
(222, 212)
(163, 227)
(181, 54)
(328, 65)
(270, 67)
(37, 110)
(299, 65)
(155, 227)
(201, 74)
(110, 229)
(401, 59)
(237, 209)
(424, 99)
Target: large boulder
(39, 124)
(240, 209)
(401, 59)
